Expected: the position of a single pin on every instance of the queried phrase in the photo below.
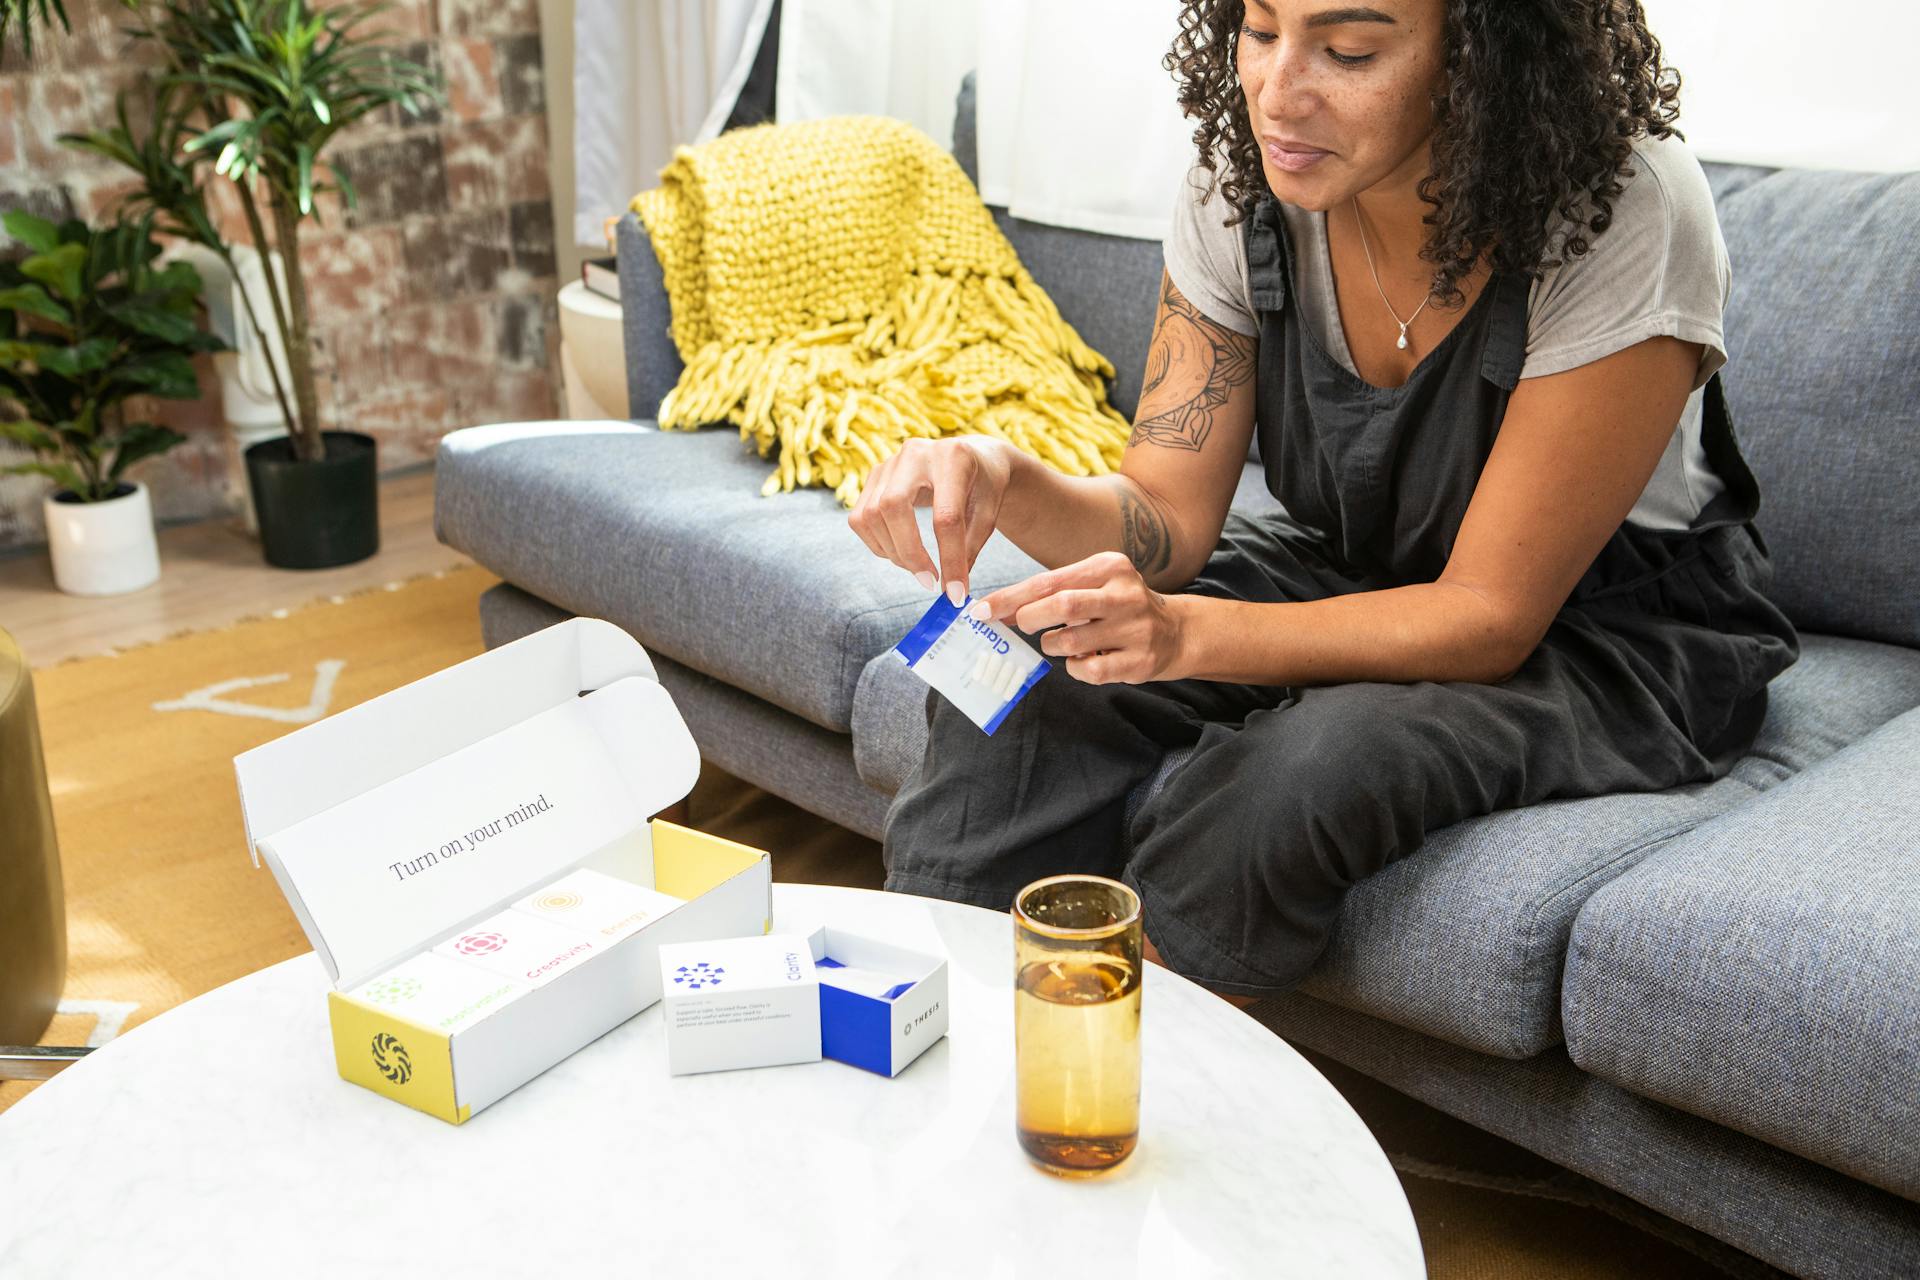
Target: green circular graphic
(394, 990)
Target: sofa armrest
(653, 362)
(1763, 970)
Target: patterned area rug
(163, 902)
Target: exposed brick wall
(432, 303)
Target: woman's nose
(1283, 88)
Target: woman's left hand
(1106, 622)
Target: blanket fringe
(952, 353)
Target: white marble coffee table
(216, 1140)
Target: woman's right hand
(963, 478)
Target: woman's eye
(1350, 60)
(1264, 37)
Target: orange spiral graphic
(559, 901)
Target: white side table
(216, 1140)
(593, 354)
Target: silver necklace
(1402, 344)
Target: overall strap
(1506, 349)
(1740, 499)
(1266, 256)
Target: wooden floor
(212, 574)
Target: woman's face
(1349, 85)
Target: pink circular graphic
(478, 944)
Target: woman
(1465, 283)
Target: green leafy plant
(23, 15)
(252, 92)
(89, 320)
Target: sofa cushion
(1792, 1212)
(1763, 971)
(1823, 377)
(1727, 180)
(665, 533)
(1465, 940)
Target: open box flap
(310, 770)
(907, 963)
(398, 860)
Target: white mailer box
(420, 817)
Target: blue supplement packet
(982, 669)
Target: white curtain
(1782, 83)
(650, 75)
(1079, 125)
(899, 58)
(1076, 121)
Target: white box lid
(335, 807)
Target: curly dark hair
(1539, 103)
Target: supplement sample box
(744, 1002)
(881, 1006)
(436, 992)
(597, 904)
(739, 1002)
(516, 945)
(467, 806)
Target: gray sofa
(1706, 999)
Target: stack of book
(600, 275)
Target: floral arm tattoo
(1193, 368)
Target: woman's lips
(1295, 161)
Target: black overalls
(1653, 674)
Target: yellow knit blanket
(838, 287)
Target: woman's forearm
(1060, 519)
(1429, 631)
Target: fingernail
(957, 594)
(927, 580)
(980, 610)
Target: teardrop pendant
(1402, 344)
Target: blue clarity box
(881, 1006)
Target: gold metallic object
(33, 917)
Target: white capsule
(1010, 678)
(979, 672)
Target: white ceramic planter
(103, 548)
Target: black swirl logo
(390, 1056)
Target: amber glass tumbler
(1076, 1022)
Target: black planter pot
(314, 515)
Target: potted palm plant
(252, 92)
(89, 320)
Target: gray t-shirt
(1660, 268)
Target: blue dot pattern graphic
(695, 976)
